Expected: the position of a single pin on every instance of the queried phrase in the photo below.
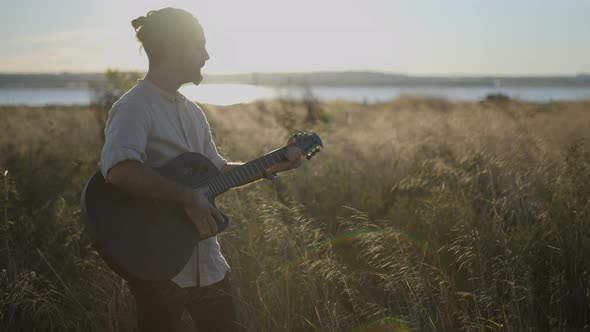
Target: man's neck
(163, 80)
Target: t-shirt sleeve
(209, 148)
(126, 134)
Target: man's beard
(197, 78)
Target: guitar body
(143, 238)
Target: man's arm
(229, 166)
(136, 178)
(293, 161)
(139, 179)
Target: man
(148, 126)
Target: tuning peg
(308, 157)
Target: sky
(415, 37)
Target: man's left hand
(293, 159)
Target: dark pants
(160, 305)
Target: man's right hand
(202, 213)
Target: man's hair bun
(138, 22)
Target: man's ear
(171, 53)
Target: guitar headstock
(308, 143)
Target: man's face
(193, 57)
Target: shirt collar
(171, 97)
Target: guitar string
(223, 182)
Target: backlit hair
(164, 28)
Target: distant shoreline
(327, 79)
(226, 94)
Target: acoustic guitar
(152, 240)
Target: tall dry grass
(420, 214)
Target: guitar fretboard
(224, 181)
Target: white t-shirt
(152, 126)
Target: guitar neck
(238, 175)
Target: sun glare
(271, 36)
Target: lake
(226, 94)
